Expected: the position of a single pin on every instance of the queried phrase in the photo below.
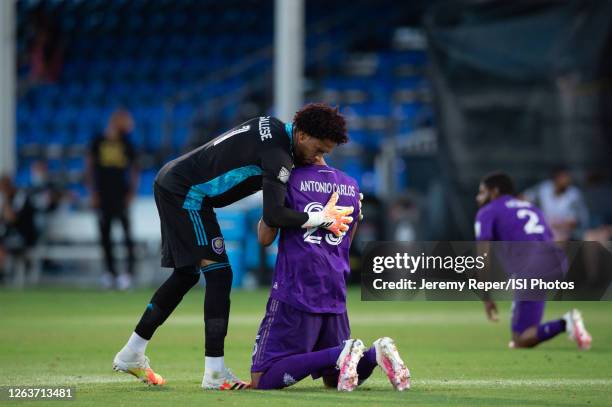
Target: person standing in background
(112, 176)
(17, 229)
(562, 204)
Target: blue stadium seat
(22, 179)
(75, 164)
(415, 57)
(147, 178)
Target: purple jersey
(510, 219)
(312, 264)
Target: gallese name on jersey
(264, 128)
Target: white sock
(136, 343)
(214, 364)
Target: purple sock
(550, 329)
(367, 364)
(294, 368)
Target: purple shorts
(526, 314)
(287, 331)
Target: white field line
(512, 382)
(70, 380)
(416, 383)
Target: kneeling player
(306, 330)
(257, 155)
(502, 217)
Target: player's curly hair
(500, 180)
(321, 121)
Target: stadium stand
(190, 68)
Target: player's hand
(335, 218)
(491, 310)
(360, 211)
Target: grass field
(59, 337)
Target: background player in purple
(503, 217)
(306, 329)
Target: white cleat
(107, 281)
(124, 282)
(389, 360)
(139, 367)
(347, 363)
(576, 330)
(223, 380)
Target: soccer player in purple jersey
(306, 329)
(503, 217)
(258, 154)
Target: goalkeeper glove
(333, 218)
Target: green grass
(59, 337)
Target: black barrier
(529, 271)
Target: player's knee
(522, 345)
(175, 287)
(207, 262)
(521, 342)
(186, 276)
(220, 278)
(526, 345)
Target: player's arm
(482, 248)
(275, 214)
(483, 228)
(277, 164)
(333, 218)
(265, 233)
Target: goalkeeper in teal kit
(256, 155)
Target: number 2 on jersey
(532, 226)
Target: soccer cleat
(224, 380)
(389, 360)
(139, 368)
(576, 331)
(124, 282)
(347, 363)
(107, 281)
